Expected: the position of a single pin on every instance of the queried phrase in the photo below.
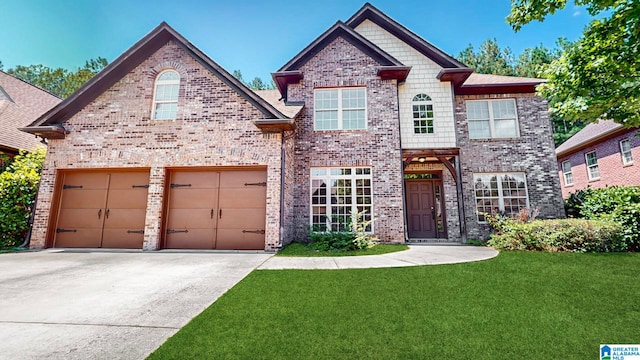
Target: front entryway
(425, 215)
(101, 209)
(221, 210)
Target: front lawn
(520, 305)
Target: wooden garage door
(101, 209)
(216, 210)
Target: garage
(208, 209)
(100, 209)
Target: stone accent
(341, 64)
(421, 79)
(532, 153)
(612, 170)
(213, 129)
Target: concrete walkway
(416, 255)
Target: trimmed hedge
(576, 235)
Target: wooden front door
(216, 210)
(421, 209)
(102, 210)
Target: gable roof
(390, 66)
(50, 124)
(20, 104)
(591, 134)
(370, 12)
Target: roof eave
(275, 125)
(479, 89)
(592, 141)
(398, 73)
(47, 132)
(457, 76)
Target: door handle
(220, 214)
(433, 213)
(99, 213)
(212, 211)
(106, 214)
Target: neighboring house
(20, 104)
(602, 154)
(165, 149)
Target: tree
(255, 84)
(60, 82)
(489, 59)
(597, 77)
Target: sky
(255, 37)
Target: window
(492, 119)
(165, 98)
(592, 165)
(500, 193)
(625, 150)
(568, 174)
(422, 114)
(336, 193)
(340, 109)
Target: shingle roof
(490, 79)
(590, 133)
(274, 98)
(20, 104)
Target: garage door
(216, 210)
(101, 209)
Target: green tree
(489, 59)
(60, 82)
(18, 188)
(255, 84)
(597, 77)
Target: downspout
(27, 237)
(404, 196)
(282, 168)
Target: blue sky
(256, 37)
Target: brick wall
(342, 64)
(213, 128)
(532, 153)
(612, 170)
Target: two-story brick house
(165, 149)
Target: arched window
(165, 98)
(422, 114)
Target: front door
(421, 211)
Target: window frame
(499, 191)
(567, 175)
(592, 168)
(429, 127)
(340, 109)
(156, 102)
(492, 119)
(627, 155)
(327, 175)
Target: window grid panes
(567, 173)
(625, 150)
(165, 99)
(336, 193)
(340, 109)
(592, 165)
(504, 193)
(422, 108)
(492, 119)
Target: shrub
(606, 200)
(577, 235)
(628, 216)
(18, 188)
(353, 237)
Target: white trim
(566, 174)
(425, 103)
(500, 195)
(593, 167)
(157, 102)
(340, 109)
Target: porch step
(432, 242)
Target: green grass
(297, 249)
(520, 305)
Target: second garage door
(216, 210)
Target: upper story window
(165, 98)
(422, 114)
(567, 173)
(592, 165)
(492, 119)
(625, 150)
(340, 109)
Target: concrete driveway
(107, 305)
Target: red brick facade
(612, 170)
